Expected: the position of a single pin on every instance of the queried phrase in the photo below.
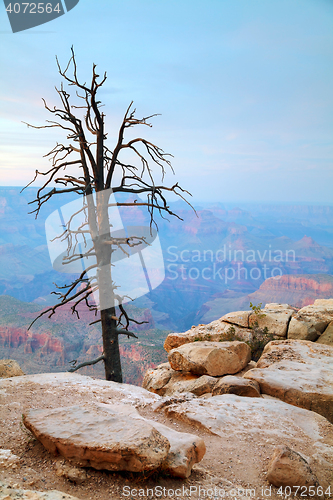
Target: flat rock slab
(98, 437)
(216, 331)
(297, 372)
(236, 385)
(261, 421)
(210, 358)
(9, 493)
(114, 437)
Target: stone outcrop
(289, 468)
(114, 437)
(297, 372)
(258, 420)
(9, 368)
(274, 317)
(216, 331)
(210, 358)
(327, 337)
(311, 321)
(236, 385)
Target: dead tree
(102, 171)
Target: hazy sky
(244, 87)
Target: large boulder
(297, 372)
(236, 385)
(289, 468)
(114, 437)
(239, 318)
(157, 378)
(311, 321)
(274, 317)
(327, 337)
(210, 358)
(98, 437)
(216, 331)
(9, 368)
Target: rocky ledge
(209, 419)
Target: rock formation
(9, 368)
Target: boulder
(327, 337)
(165, 381)
(239, 318)
(185, 451)
(275, 319)
(310, 321)
(236, 385)
(9, 368)
(8, 492)
(99, 437)
(114, 437)
(155, 379)
(326, 303)
(297, 372)
(74, 474)
(210, 358)
(278, 307)
(289, 468)
(216, 331)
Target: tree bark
(112, 362)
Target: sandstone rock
(236, 385)
(185, 451)
(258, 420)
(311, 321)
(9, 368)
(297, 372)
(240, 318)
(99, 437)
(7, 459)
(289, 468)
(278, 307)
(215, 331)
(327, 336)
(211, 358)
(326, 303)
(9, 493)
(114, 437)
(74, 474)
(165, 381)
(155, 380)
(275, 319)
(302, 330)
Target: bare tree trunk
(111, 346)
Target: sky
(244, 89)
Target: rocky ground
(280, 428)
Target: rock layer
(297, 372)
